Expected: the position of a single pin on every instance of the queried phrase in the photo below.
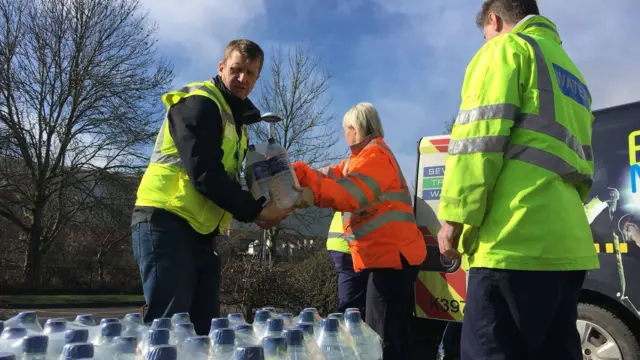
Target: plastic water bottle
(258, 173)
(163, 352)
(366, 342)
(287, 318)
(157, 337)
(25, 319)
(35, 347)
(283, 177)
(308, 316)
(342, 328)
(84, 320)
(245, 335)
(161, 323)
(55, 330)
(11, 339)
(181, 332)
(310, 339)
(332, 344)
(125, 348)
(77, 351)
(296, 346)
(259, 322)
(218, 323)
(180, 318)
(133, 325)
(223, 343)
(7, 356)
(275, 347)
(248, 353)
(196, 348)
(236, 319)
(274, 327)
(76, 336)
(105, 342)
(271, 310)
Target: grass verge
(68, 299)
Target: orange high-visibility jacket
(378, 219)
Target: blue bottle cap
(7, 356)
(185, 328)
(244, 328)
(164, 352)
(353, 317)
(76, 336)
(27, 316)
(126, 344)
(274, 345)
(109, 320)
(248, 353)
(134, 318)
(295, 337)
(55, 326)
(35, 344)
(219, 323)
(339, 316)
(197, 344)
(85, 319)
(112, 329)
(306, 327)
(235, 317)
(11, 333)
(275, 324)
(180, 318)
(330, 324)
(224, 336)
(77, 351)
(159, 337)
(307, 316)
(262, 315)
(161, 323)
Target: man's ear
(220, 67)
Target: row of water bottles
(271, 171)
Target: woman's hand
(306, 197)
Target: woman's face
(350, 134)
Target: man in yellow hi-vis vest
(518, 170)
(191, 190)
(351, 285)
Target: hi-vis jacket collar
(356, 148)
(538, 25)
(248, 113)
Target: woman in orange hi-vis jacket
(379, 224)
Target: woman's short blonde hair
(364, 117)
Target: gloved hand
(306, 198)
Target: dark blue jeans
(179, 268)
(352, 286)
(521, 315)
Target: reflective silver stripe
(354, 190)
(379, 221)
(166, 159)
(336, 235)
(371, 183)
(543, 25)
(546, 123)
(485, 144)
(547, 161)
(345, 217)
(555, 130)
(488, 112)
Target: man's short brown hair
(248, 48)
(511, 11)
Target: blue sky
(407, 57)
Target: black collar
(242, 110)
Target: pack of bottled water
(271, 336)
(271, 170)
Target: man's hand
(448, 238)
(271, 213)
(305, 199)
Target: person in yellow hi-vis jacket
(351, 285)
(518, 169)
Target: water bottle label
(261, 170)
(279, 164)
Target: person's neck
(357, 147)
(235, 103)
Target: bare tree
(297, 90)
(79, 83)
(448, 125)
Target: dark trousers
(449, 348)
(388, 308)
(179, 269)
(521, 315)
(352, 286)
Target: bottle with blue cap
(245, 335)
(11, 339)
(342, 327)
(367, 344)
(180, 318)
(283, 178)
(249, 353)
(236, 319)
(297, 348)
(55, 329)
(104, 342)
(287, 318)
(275, 347)
(332, 344)
(161, 323)
(196, 348)
(84, 320)
(260, 322)
(309, 316)
(7, 356)
(223, 342)
(25, 319)
(125, 348)
(274, 327)
(310, 339)
(34, 347)
(155, 337)
(258, 174)
(181, 332)
(218, 323)
(78, 351)
(133, 325)
(76, 336)
(163, 352)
